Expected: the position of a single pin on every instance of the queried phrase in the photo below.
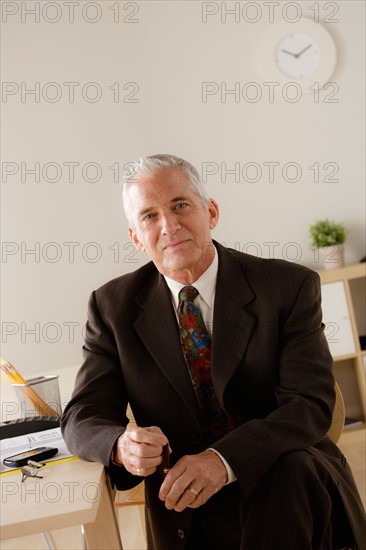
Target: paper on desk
(21, 443)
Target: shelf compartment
(345, 374)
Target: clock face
(297, 55)
(303, 51)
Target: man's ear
(213, 209)
(135, 240)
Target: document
(22, 443)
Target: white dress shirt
(206, 286)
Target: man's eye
(181, 205)
(148, 217)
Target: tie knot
(188, 293)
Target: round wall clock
(301, 52)
(297, 55)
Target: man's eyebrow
(180, 198)
(172, 201)
(145, 210)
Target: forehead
(160, 188)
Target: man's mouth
(176, 244)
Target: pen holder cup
(39, 396)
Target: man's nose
(170, 224)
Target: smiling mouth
(174, 245)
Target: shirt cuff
(230, 474)
(113, 454)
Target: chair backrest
(336, 429)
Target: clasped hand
(188, 484)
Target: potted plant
(327, 239)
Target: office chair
(336, 429)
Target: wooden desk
(70, 493)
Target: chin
(184, 262)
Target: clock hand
(290, 53)
(302, 51)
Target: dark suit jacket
(271, 370)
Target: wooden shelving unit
(344, 315)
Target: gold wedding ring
(193, 491)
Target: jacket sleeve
(96, 414)
(305, 394)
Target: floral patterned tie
(196, 344)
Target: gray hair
(147, 166)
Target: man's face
(171, 224)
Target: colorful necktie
(196, 344)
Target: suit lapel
(233, 324)
(158, 329)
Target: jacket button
(195, 439)
(181, 533)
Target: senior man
(222, 357)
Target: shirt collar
(205, 284)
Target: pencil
(165, 462)
(41, 408)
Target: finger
(185, 501)
(144, 463)
(141, 456)
(176, 497)
(171, 478)
(132, 426)
(200, 499)
(191, 497)
(138, 467)
(197, 471)
(151, 435)
(145, 450)
(143, 472)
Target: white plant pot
(332, 257)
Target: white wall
(166, 53)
